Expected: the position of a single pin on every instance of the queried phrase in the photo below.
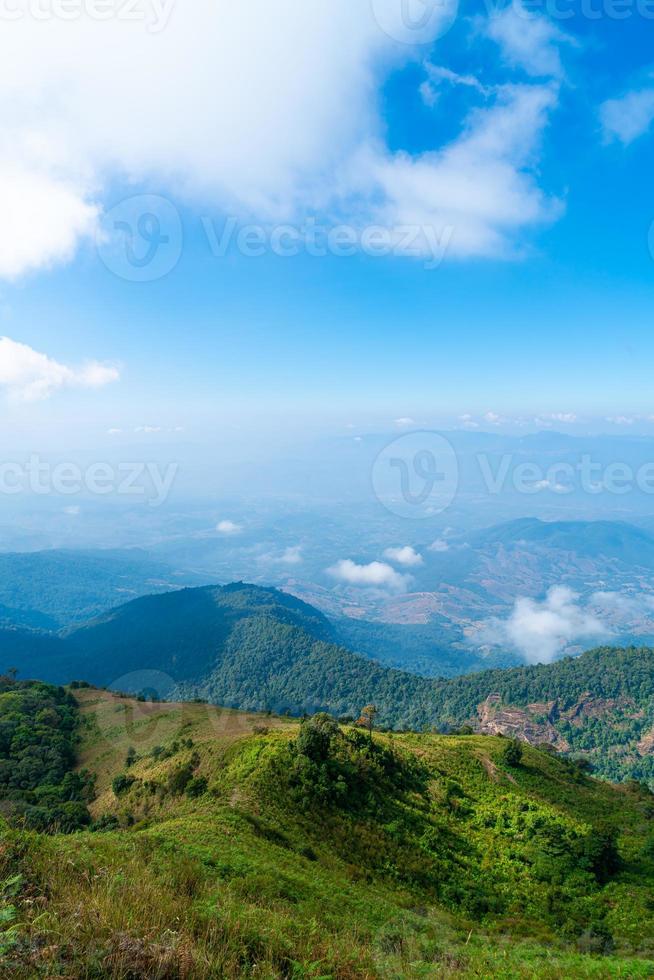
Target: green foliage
(122, 783)
(9, 927)
(197, 786)
(38, 735)
(180, 779)
(512, 754)
(259, 649)
(326, 767)
(321, 852)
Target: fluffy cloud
(472, 197)
(377, 575)
(228, 528)
(540, 631)
(42, 218)
(28, 375)
(528, 41)
(407, 556)
(627, 118)
(74, 94)
(303, 132)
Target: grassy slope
(240, 883)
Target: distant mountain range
(52, 589)
(436, 626)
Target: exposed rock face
(535, 723)
(590, 707)
(532, 724)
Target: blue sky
(523, 140)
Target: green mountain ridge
(260, 649)
(208, 844)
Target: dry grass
(114, 724)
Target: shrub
(121, 783)
(197, 786)
(512, 753)
(316, 735)
(179, 779)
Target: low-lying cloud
(406, 555)
(541, 631)
(377, 574)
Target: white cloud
(228, 528)
(404, 556)
(302, 131)
(474, 196)
(627, 118)
(42, 218)
(29, 375)
(439, 75)
(439, 545)
(74, 94)
(528, 41)
(377, 574)
(540, 631)
(405, 422)
(72, 511)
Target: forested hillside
(39, 731)
(261, 649)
